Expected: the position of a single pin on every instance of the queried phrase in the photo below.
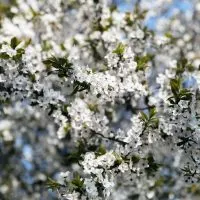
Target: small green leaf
(62, 65)
(153, 166)
(27, 42)
(80, 86)
(142, 62)
(93, 107)
(152, 112)
(158, 183)
(135, 159)
(175, 85)
(14, 42)
(67, 128)
(120, 49)
(77, 182)
(179, 93)
(51, 184)
(4, 56)
(19, 54)
(194, 189)
(101, 150)
(144, 117)
(32, 77)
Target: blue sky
(182, 5)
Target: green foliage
(77, 182)
(97, 26)
(142, 62)
(184, 141)
(189, 172)
(140, 14)
(93, 107)
(119, 158)
(135, 159)
(5, 11)
(184, 65)
(93, 46)
(51, 184)
(101, 150)
(62, 65)
(32, 77)
(194, 189)
(179, 93)
(128, 19)
(159, 182)
(171, 38)
(151, 119)
(34, 13)
(75, 156)
(168, 35)
(4, 56)
(80, 86)
(46, 46)
(133, 197)
(153, 166)
(175, 85)
(67, 128)
(14, 42)
(119, 49)
(19, 54)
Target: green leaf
(77, 182)
(120, 49)
(75, 156)
(51, 184)
(184, 65)
(93, 107)
(101, 150)
(150, 120)
(5, 10)
(14, 42)
(170, 99)
(128, 19)
(67, 127)
(80, 86)
(32, 77)
(27, 42)
(168, 35)
(153, 166)
(194, 189)
(4, 56)
(19, 54)
(62, 64)
(159, 182)
(144, 117)
(142, 62)
(178, 92)
(153, 122)
(152, 112)
(175, 85)
(135, 159)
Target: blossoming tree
(95, 105)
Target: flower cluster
(92, 91)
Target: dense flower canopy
(96, 104)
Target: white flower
(106, 160)
(72, 196)
(123, 167)
(5, 125)
(64, 174)
(90, 187)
